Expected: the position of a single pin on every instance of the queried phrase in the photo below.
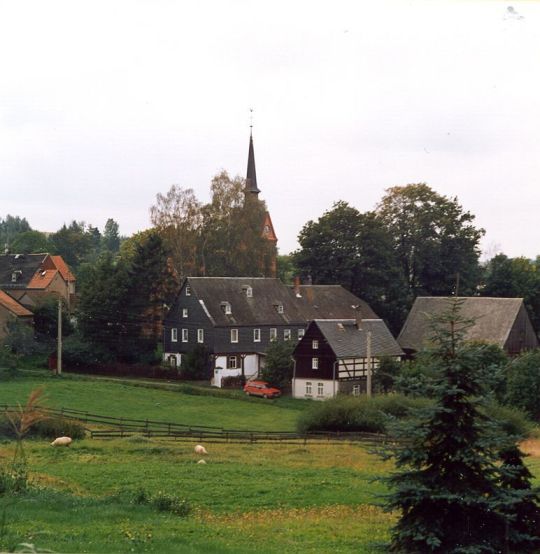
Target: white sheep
(61, 441)
(201, 462)
(199, 449)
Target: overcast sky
(103, 104)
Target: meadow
(246, 498)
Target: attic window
(188, 290)
(226, 308)
(15, 275)
(248, 291)
(340, 327)
(279, 308)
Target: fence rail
(125, 427)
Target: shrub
(357, 413)
(163, 502)
(278, 365)
(523, 383)
(195, 364)
(511, 421)
(49, 428)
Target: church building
(251, 192)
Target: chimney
(297, 286)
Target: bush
(163, 502)
(523, 383)
(48, 428)
(511, 421)
(195, 364)
(357, 413)
(278, 364)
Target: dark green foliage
(30, 242)
(515, 278)
(385, 375)
(74, 243)
(46, 321)
(10, 228)
(433, 238)
(286, 270)
(446, 485)
(356, 251)
(511, 422)
(524, 531)
(78, 352)
(20, 339)
(357, 413)
(278, 364)
(48, 428)
(196, 364)
(163, 502)
(111, 236)
(523, 383)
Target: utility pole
(368, 365)
(59, 343)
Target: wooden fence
(107, 427)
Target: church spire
(251, 177)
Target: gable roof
(330, 302)
(24, 265)
(42, 279)
(493, 319)
(63, 268)
(348, 341)
(13, 306)
(260, 309)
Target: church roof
(251, 176)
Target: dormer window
(226, 308)
(248, 291)
(15, 275)
(279, 308)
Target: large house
(334, 354)
(501, 321)
(30, 278)
(236, 318)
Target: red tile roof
(62, 267)
(42, 279)
(13, 306)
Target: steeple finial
(251, 176)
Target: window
(301, 333)
(320, 389)
(184, 312)
(248, 291)
(185, 335)
(188, 290)
(200, 335)
(232, 362)
(234, 335)
(314, 363)
(172, 361)
(356, 390)
(174, 334)
(315, 344)
(279, 308)
(226, 308)
(308, 388)
(286, 334)
(256, 335)
(273, 334)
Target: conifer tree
(446, 485)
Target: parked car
(261, 388)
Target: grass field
(246, 498)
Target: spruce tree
(446, 483)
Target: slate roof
(330, 302)
(348, 341)
(27, 264)
(13, 306)
(260, 309)
(493, 319)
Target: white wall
(167, 355)
(251, 369)
(299, 388)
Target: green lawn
(246, 499)
(139, 402)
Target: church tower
(251, 193)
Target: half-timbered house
(332, 357)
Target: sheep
(199, 449)
(61, 441)
(201, 462)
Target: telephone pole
(59, 342)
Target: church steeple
(251, 176)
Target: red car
(261, 388)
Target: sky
(105, 104)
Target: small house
(333, 356)
(11, 310)
(501, 321)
